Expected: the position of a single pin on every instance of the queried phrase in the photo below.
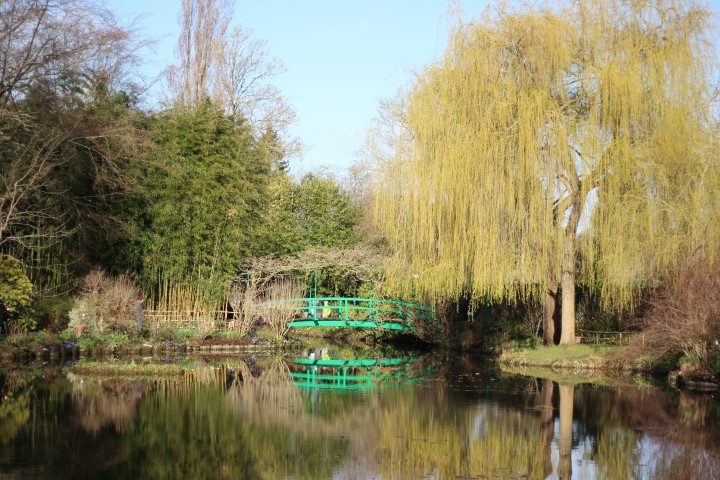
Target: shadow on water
(316, 416)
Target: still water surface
(317, 416)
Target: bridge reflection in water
(355, 374)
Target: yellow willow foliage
(506, 446)
(617, 453)
(602, 107)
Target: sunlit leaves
(533, 114)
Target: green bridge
(362, 313)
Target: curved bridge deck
(361, 313)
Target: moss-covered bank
(605, 364)
(577, 357)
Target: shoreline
(13, 354)
(602, 364)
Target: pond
(314, 415)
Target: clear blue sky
(342, 57)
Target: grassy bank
(565, 376)
(48, 346)
(126, 369)
(609, 358)
(44, 345)
(608, 365)
(569, 357)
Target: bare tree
(25, 173)
(364, 263)
(245, 65)
(204, 25)
(54, 56)
(50, 40)
(232, 69)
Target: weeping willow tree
(553, 146)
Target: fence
(216, 320)
(610, 338)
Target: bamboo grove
(552, 147)
(178, 195)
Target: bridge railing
(344, 307)
(357, 309)
(356, 374)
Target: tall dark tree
(66, 136)
(207, 187)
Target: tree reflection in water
(247, 419)
(105, 402)
(567, 394)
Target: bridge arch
(356, 312)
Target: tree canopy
(206, 187)
(314, 211)
(548, 137)
(67, 106)
(88, 179)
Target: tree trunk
(567, 331)
(547, 425)
(569, 274)
(551, 306)
(551, 315)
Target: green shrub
(16, 290)
(165, 332)
(84, 313)
(52, 313)
(229, 334)
(89, 340)
(116, 339)
(191, 332)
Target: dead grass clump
(278, 305)
(105, 302)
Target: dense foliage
(206, 184)
(314, 212)
(177, 198)
(548, 138)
